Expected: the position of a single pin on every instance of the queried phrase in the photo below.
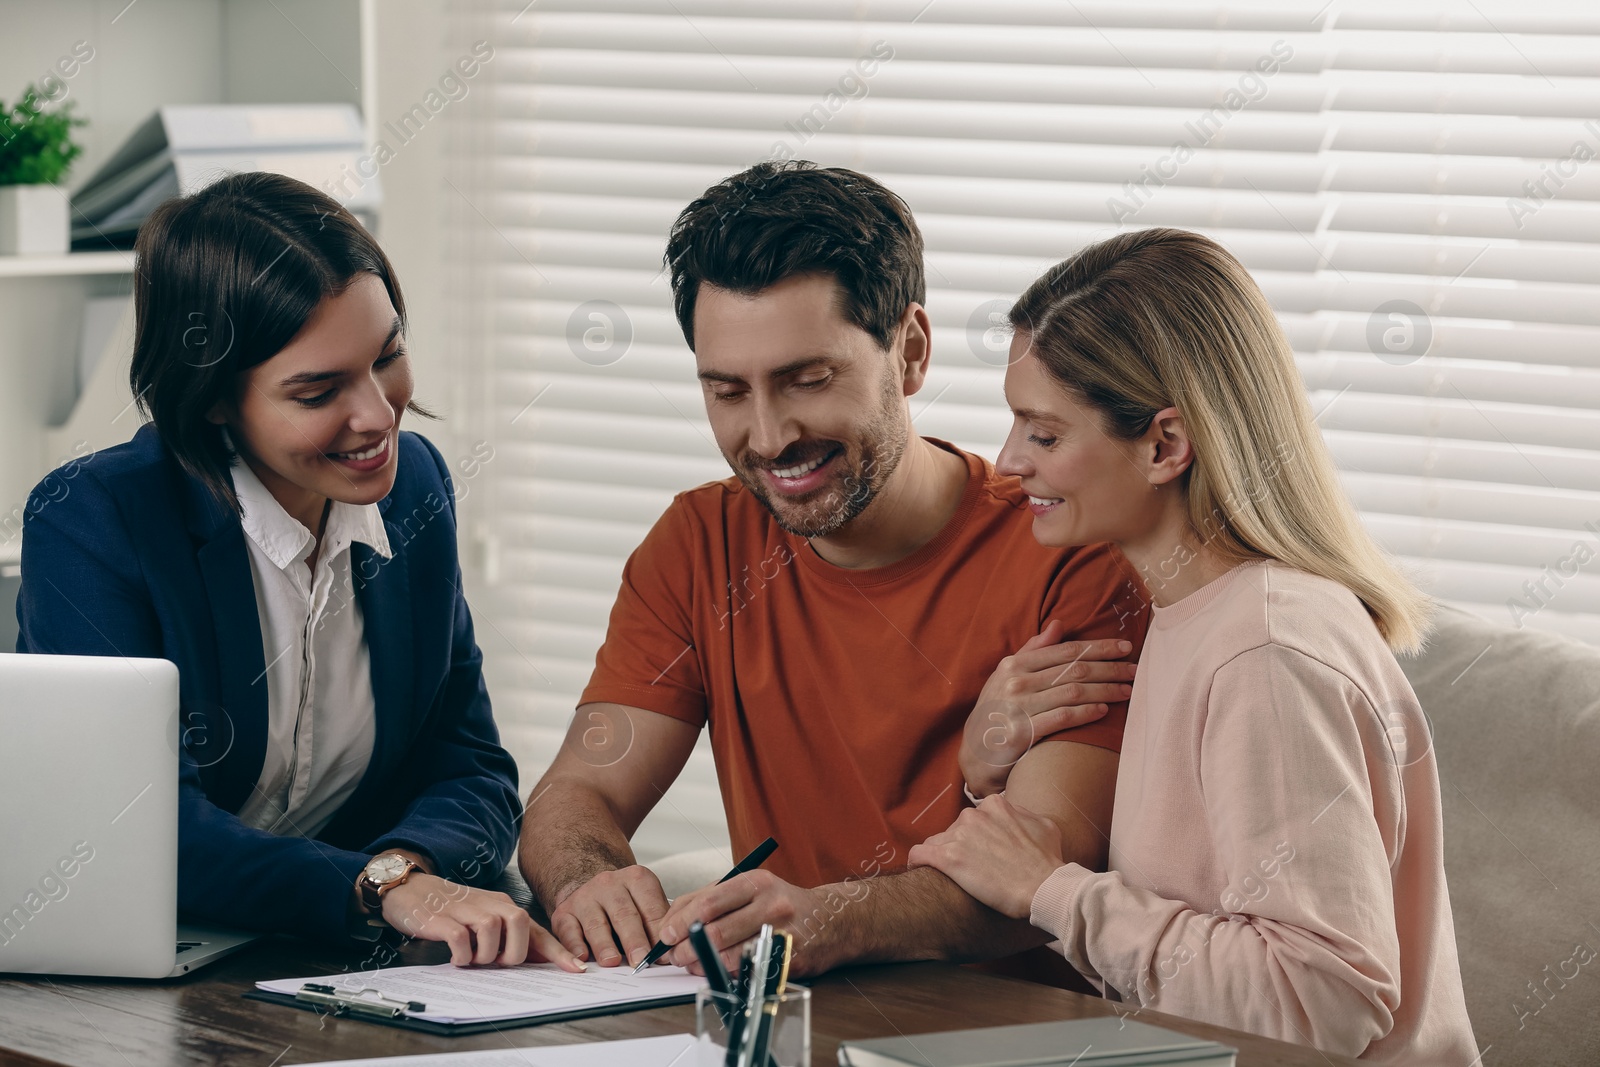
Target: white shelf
(70, 263)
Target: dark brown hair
(777, 220)
(224, 280)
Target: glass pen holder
(786, 1026)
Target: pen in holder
(788, 1026)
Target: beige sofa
(1516, 727)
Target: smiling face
(319, 420)
(808, 411)
(1084, 486)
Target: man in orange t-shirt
(834, 613)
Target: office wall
(291, 51)
(413, 42)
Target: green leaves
(36, 145)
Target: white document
(672, 1051)
(454, 994)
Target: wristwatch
(382, 874)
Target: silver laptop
(89, 821)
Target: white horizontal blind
(1409, 183)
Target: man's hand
(614, 907)
(998, 852)
(479, 925)
(614, 765)
(1047, 686)
(733, 912)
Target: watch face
(386, 869)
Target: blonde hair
(1166, 318)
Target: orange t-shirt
(836, 698)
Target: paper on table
(671, 1051)
(491, 994)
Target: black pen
(716, 974)
(736, 1024)
(757, 857)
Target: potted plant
(36, 151)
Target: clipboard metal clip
(367, 1001)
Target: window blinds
(1412, 185)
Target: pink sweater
(1276, 850)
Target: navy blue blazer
(125, 554)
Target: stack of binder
(183, 148)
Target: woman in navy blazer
(270, 333)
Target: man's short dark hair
(225, 278)
(776, 220)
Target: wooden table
(202, 1019)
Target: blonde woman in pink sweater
(1276, 863)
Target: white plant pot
(33, 220)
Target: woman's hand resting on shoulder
(1047, 686)
(480, 925)
(998, 852)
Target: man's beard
(866, 468)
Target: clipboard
(324, 1000)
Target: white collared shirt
(320, 708)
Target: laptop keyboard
(185, 946)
